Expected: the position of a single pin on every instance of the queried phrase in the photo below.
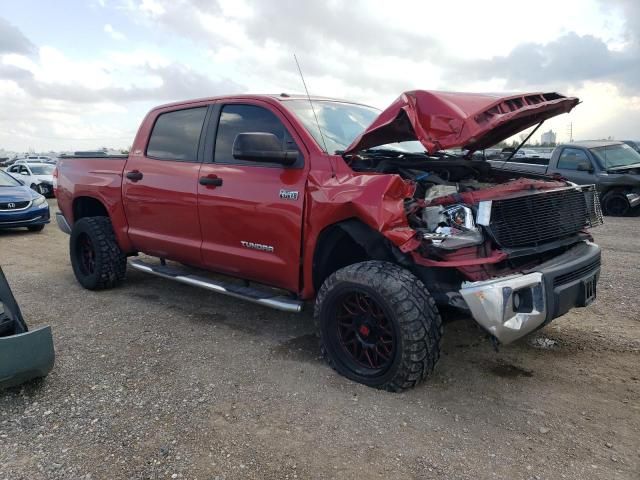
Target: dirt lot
(160, 380)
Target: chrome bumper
(62, 223)
(511, 307)
(634, 199)
(508, 308)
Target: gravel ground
(161, 380)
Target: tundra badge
(288, 194)
(257, 246)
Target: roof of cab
(283, 97)
(593, 143)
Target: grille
(531, 220)
(14, 205)
(581, 272)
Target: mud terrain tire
(393, 319)
(97, 260)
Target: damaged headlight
(451, 227)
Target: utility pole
(570, 132)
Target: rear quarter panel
(97, 178)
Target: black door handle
(134, 175)
(211, 181)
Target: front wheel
(35, 228)
(97, 260)
(616, 204)
(378, 325)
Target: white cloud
(113, 33)
(365, 50)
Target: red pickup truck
(295, 199)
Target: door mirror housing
(585, 167)
(262, 147)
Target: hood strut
(523, 142)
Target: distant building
(548, 138)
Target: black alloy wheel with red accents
(378, 325)
(86, 253)
(363, 330)
(97, 260)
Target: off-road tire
(35, 228)
(408, 307)
(110, 262)
(615, 204)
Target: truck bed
(98, 177)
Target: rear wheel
(378, 325)
(97, 260)
(615, 204)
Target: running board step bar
(260, 297)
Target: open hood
(472, 121)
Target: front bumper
(46, 189)
(25, 356)
(25, 218)
(511, 307)
(633, 198)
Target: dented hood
(472, 121)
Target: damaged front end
(514, 252)
(24, 354)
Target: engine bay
(447, 226)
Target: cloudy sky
(82, 74)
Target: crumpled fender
(377, 200)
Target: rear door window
(570, 158)
(176, 135)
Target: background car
(36, 159)
(21, 206)
(38, 176)
(635, 144)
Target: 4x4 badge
(288, 194)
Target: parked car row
(38, 176)
(28, 159)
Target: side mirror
(584, 167)
(262, 147)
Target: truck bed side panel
(97, 178)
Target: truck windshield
(341, 123)
(7, 180)
(614, 156)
